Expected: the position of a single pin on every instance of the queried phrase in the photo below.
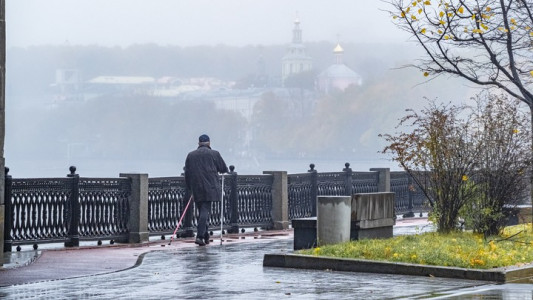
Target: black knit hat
(204, 138)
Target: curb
(500, 275)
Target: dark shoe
(206, 238)
(199, 242)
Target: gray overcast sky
(195, 22)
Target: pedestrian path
(232, 270)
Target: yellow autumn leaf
(413, 17)
(423, 31)
(465, 178)
(446, 37)
(450, 14)
(440, 31)
(419, 11)
(531, 33)
(403, 14)
(477, 30)
(461, 10)
(414, 3)
(407, 9)
(513, 21)
(441, 14)
(426, 74)
(488, 9)
(484, 26)
(427, 2)
(531, 72)
(442, 22)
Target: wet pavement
(232, 270)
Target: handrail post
(347, 180)
(234, 202)
(8, 213)
(314, 189)
(73, 239)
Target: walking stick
(222, 210)
(181, 218)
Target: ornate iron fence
(104, 207)
(73, 208)
(167, 198)
(65, 209)
(302, 190)
(39, 209)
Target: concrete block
(333, 219)
(304, 233)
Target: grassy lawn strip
(514, 247)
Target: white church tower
(295, 60)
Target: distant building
(67, 85)
(337, 76)
(295, 60)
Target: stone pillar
(383, 179)
(138, 222)
(333, 219)
(280, 199)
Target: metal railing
(75, 208)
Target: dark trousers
(204, 210)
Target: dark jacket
(201, 173)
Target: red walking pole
(179, 223)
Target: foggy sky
(195, 22)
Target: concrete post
(280, 200)
(138, 222)
(333, 219)
(383, 179)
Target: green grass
(514, 247)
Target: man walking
(201, 177)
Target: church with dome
(338, 76)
